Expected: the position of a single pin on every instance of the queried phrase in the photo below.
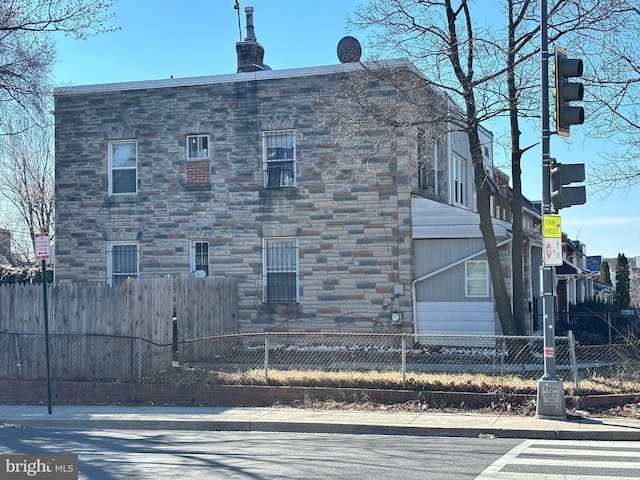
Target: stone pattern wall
(350, 209)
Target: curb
(358, 428)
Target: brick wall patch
(198, 172)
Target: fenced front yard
(110, 333)
(308, 359)
(126, 333)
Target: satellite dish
(200, 273)
(349, 50)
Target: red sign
(42, 246)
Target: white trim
(192, 254)
(110, 144)
(459, 180)
(436, 181)
(467, 279)
(110, 246)
(234, 77)
(198, 136)
(265, 241)
(283, 183)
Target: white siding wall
(455, 318)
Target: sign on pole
(42, 246)
(43, 253)
(551, 226)
(552, 233)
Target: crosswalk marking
(534, 459)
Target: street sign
(552, 233)
(42, 246)
(551, 226)
(552, 252)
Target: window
(200, 257)
(459, 180)
(280, 270)
(427, 163)
(197, 147)
(279, 161)
(123, 167)
(122, 262)
(477, 278)
(423, 166)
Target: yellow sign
(551, 227)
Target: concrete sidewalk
(282, 419)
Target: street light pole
(551, 402)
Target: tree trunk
(501, 298)
(516, 246)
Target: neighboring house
(574, 282)
(253, 175)
(531, 262)
(6, 257)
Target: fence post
(266, 360)
(18, 356)
(139, 355)
(404, 360)
(572, 355)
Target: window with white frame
(477, 278)
(200, 256)
(123, 167)
(280, 270)
(459, 179)
(427, 163)
(279, 159)
(122, 262)
(197, 147)
(423, 161)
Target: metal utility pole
(43, 253)
(551, 402)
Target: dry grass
(512, 394)
(453, 382)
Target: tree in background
(621, 295)
(490, 70)
(27, 52)
(27, 55)
(27, 183)
(605, 273)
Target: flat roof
(227, 78)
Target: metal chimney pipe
(251, 34)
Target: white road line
(546, 453)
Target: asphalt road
(163, 454)
(112, 454)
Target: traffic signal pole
(551, 401)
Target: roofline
(234, 77)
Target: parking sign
(42, 246)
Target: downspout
(438, 271)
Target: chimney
(250, 52)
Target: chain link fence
(80, 357)
(310, 359)
(394, 358)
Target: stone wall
(350, 209)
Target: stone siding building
(252, 175)
(307, 185)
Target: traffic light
(566, 91)
(564, 174)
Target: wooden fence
(204, 309)
(100, 332)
